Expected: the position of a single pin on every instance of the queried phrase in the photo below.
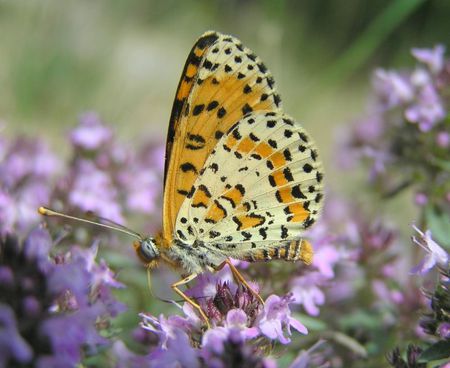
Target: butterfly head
(147, 251)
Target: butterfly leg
(238, 277)
(186, 298)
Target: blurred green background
(123, 59)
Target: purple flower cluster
(435, 322)
(416, 94)
(405, 136)
(45, 296)
(103, 176)
(108, 178)
(241, 327)
(358, 295)
(405, 140)
(27, 171)
(53, 309)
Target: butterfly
(242, 179)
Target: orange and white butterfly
(242, 179)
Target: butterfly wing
(221, 82)
(260, 188)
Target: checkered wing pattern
(259, 189)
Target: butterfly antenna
(106, 221)
(49, 212)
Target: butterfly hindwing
(260, 188)
(221, 82)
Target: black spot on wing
(214, 167)
(263, 232)
(221, 112)
(271, 123)
(307, 168)
(198, 109)
(246, 109)
(187, 166)
(212, 105)
(319, 176)
(297, 193)
(214, 234)
(246, 235)
(284, 232)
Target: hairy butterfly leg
(184, 281)
(239, 278)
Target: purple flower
(236, 321)
(385, 294)
(420, 199)
(444, 330)
(27, 169)
(427, 109)
(93, 190)
(100, 273)
(433, 58)
(207, 283)
(443, 139)
(394, 89)
(232, 351)
(174, 348)
(277, 315)
(24, 158)
(325, 258)
(141, 179)
(167, 328)
(7, 212)
(178, 353)
(143, 191)
(306, 291)
(436, 255)
(368, 130)
(13, 347)
(72, 278)
(125, 358)
(78, 330)
(380, 160)
(91, 133)
(238, 324)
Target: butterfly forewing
(222, 81)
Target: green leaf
(361, 319)
(440, 163)
(437, 351)
(346, 341)
(379, 29)
(439, 224)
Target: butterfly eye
(146, 249)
